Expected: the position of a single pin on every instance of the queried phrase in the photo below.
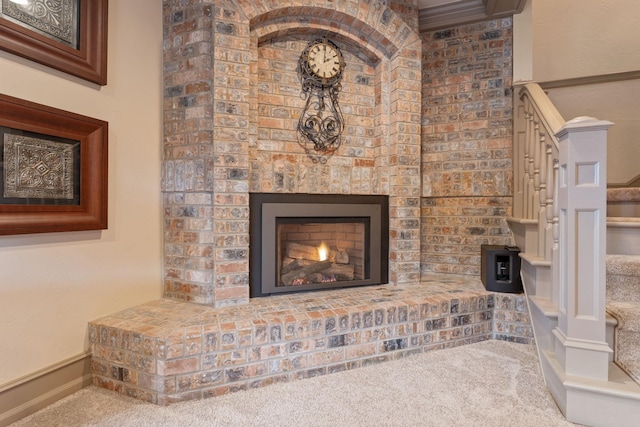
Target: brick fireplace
(428, 124)
(231, 114)
(427, 127)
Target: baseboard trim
(30, 393)
(632, 183)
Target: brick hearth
(169, 351)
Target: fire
(323, 251)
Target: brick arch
(296, 23)
(368, 23)
(365, 51)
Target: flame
(323, 251)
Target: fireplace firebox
(304, 242)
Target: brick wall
(428, 123)
(278, 162)
(186, 181)
(230, 107)
(407, 10)
(511, 319)
(466, 144)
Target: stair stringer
(581, 400)
(592, 402)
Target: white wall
(52, 284)
(618, 102)
(523, 44)
(577, 38)
(587, 38)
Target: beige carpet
(623, 303)
(492, 383)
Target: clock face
(324, 60)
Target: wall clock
(320, 126)
(324, 59)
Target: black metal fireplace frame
(265, 208)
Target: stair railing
(560, 183)
(537, 121)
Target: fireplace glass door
(321, 250)
(304, 242)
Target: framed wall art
(68, 35)
(53, 169)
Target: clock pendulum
(320, 126)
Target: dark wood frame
(91, 213)
(89, 62)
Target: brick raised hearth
(168, 351)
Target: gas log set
(304, 264)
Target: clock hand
(329, 59)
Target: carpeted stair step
(623, 202)
(627, 338)
(623, 278)
(623, 303)
(623, 221)
(623, 235)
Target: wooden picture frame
(87, 60)
(53, 169)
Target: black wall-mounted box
(500, 268)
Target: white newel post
(581, 346)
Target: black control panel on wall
(500, 268)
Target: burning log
(299, 251)
(340, 272)
(342, 257)
(302, 272)
(335, 273)
(289, 264)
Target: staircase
(583, 297)
(623, 276)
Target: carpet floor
(491, 383)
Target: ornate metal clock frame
(320, 126)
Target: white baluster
(527, 156)
(555, 233)
(542, 194)
(533, 124)
(551, 171)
